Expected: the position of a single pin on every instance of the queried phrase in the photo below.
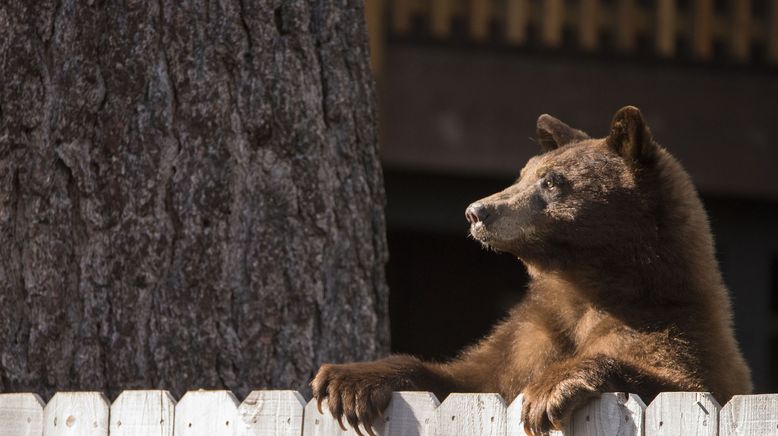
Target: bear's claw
(359, 392)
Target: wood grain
(208, 413)
(21, 414)
(323, 424)
(615, 414)
(76, 414)
(278, 413)
(683, 413)
(515, 425)
(142, 413)
(470, 415)
(408, 414)
(750, 415)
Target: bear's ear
(553, 133)
(630, 137)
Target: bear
(625, 293)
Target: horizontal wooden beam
(467, 112)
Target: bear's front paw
(358, 391)
(548, 406)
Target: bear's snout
(476, 213)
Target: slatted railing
(285, 413)
(739, 26)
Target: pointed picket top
(408, 414)
(207, 413)
(614, 413)
(750, 415)
(515, 425)
(141, 413)
(322, 424)
(21, 414)
(470, 415)
(683, 413)
(278, 413)
(76, 414)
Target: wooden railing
(739, 27)
(285, 413)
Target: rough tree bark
(190, 194)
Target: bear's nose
(476, 212)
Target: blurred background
(461, 84)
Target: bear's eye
(552, 181)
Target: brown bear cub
(625, 292)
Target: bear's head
(581, 197)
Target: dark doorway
(446, 291)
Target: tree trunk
(190, 194)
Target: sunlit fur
(625, 291)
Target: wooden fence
(285, 413)
(737, 25)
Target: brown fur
(625, 291)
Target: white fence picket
(143, 413)
(318, 424)
(408, 414)
(76, 414)
(614, 413)
(683, 413)
(470, 415)
(272, 413)
(21, 414)
(750, 415)
(515, 425)
(207, 413)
